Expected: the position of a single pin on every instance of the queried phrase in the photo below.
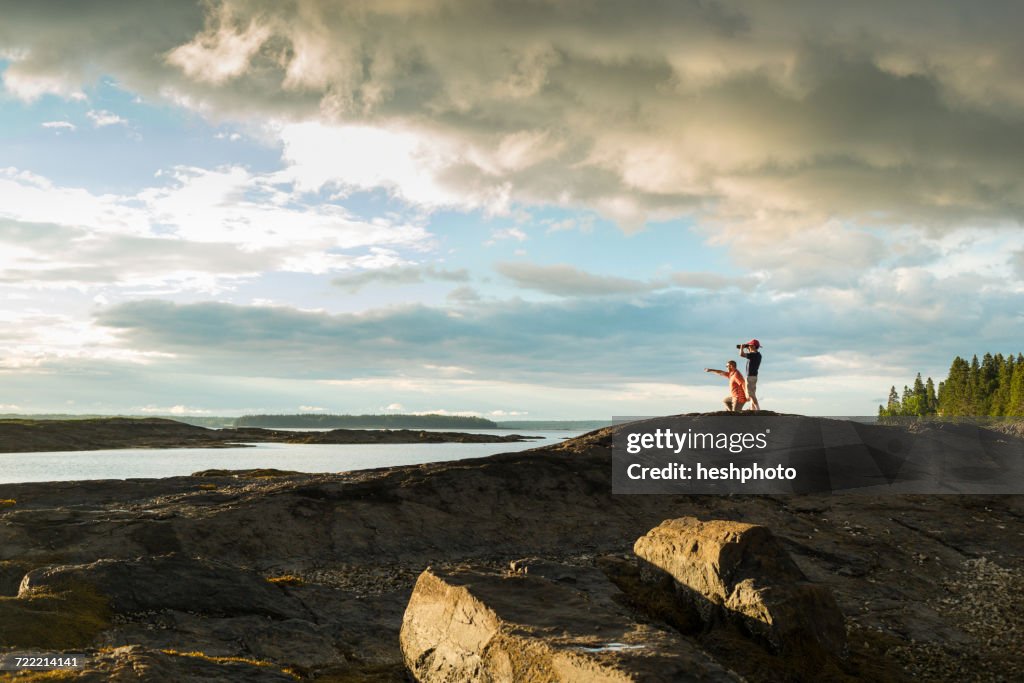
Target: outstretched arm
(723, 373)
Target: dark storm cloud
(579, 341)
(776, 116)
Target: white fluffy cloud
(102, 118)
(59, 125)
(196, 227)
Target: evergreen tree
(1000, 404)
(973, 388)
(993, 386)
(1016, 403)
(919, 387)
(918, 402)
(893, 405)
(954, 393)
(988, 381)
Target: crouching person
(737, 394)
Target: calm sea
(132, 463)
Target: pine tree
(954, 393)
(930, 401)
(988, 379)
(973, 388)
(1016, 404)
(1001, 397)
(893, 406)
(918, 404)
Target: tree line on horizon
(388, 421)
(993, 386)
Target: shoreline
(42, 436)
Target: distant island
(328, 421)
(390, 421)
(405, 421)
(24, 436)
(573, 425)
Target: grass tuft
(226, 660)
(52, 619)
(287, 580)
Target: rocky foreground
(24, 436)
(519, 566)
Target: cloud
(565, 280)
(506, 234)
(197, 228)
(778, 119)
(584, 224)
(715, 281)
(569, 281)
(101, 118)
(174, 410)
(36, 342)
(464, 294)
(1017, 260)
(399, 276)
(59, 125)
(585, 341)
(222, 51)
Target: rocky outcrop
(906, 571)
(692, 583)
(470, 624)
(134, 664)
(172, 582)
(740, 571)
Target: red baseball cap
(753, 342)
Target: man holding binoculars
(752, 352)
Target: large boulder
(472, 624)
(740, 572)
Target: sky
(513, 209)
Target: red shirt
(737, 386)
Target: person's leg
(728, 403)
(752, 393)
(739, 406)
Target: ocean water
(133, 463)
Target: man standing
(737, 397)
(752, 352)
